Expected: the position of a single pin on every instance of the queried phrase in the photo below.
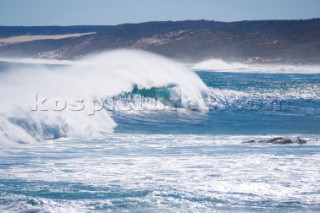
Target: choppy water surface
(176, 160)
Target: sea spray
(218, 65)
(100, 76)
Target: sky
(111, 12)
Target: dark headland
(272, 41)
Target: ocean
(156, 136)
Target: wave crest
(105, 75)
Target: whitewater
(102, 76)
(131, 131)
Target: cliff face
(289, 41)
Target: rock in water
(280, 140)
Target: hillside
(285, 41)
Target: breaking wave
(110, 74)
(218, 65)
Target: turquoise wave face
(169, 96)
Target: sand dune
(26, 38)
